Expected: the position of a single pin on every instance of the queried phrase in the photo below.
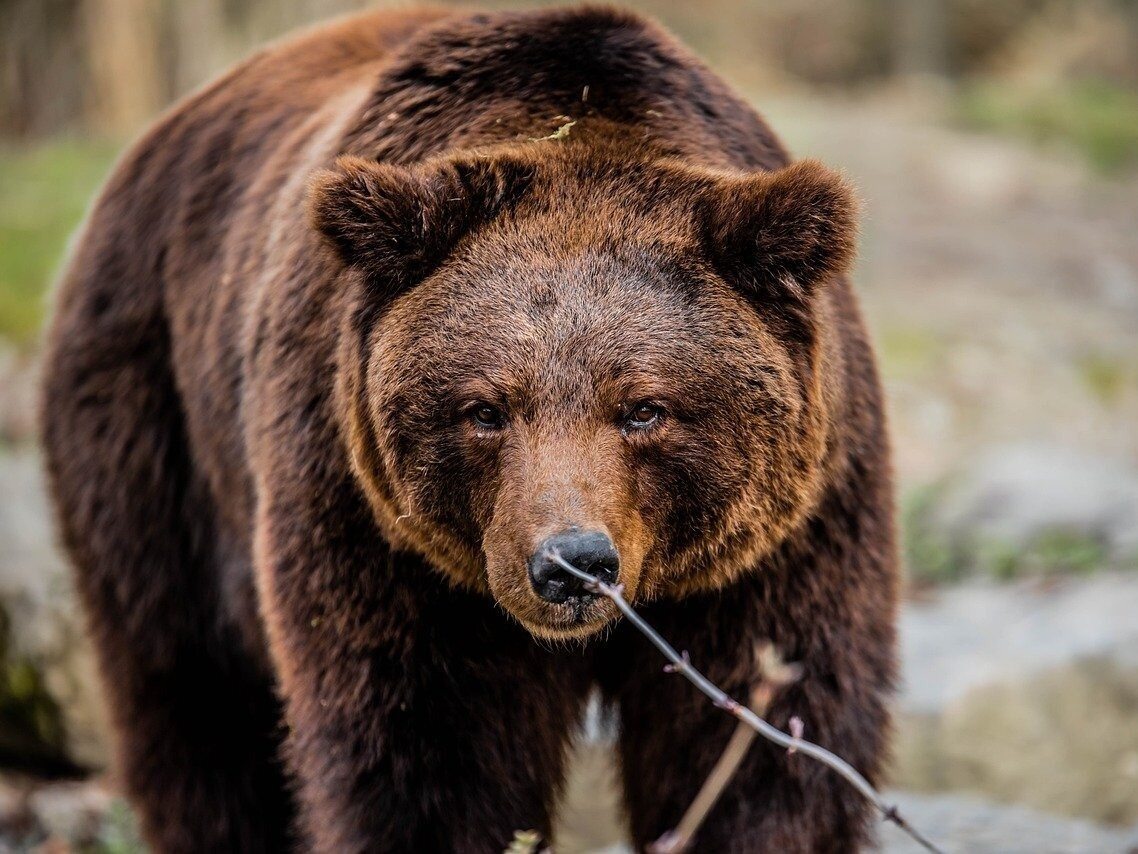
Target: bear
(359, 337)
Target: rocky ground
(1002, 287)
(961, 824)
(1018, 722)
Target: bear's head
(557, 349)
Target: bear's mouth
(576, 617)
(582, 609)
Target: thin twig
(681, 665)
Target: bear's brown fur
(285, 307)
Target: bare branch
(675, 841)
(774, 675)
(681, 665)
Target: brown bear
(356, 336)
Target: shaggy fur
(303, 557)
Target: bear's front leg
(672, 735)
(420, 718)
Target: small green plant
(1068, 551)
(928, 554)
(524, 842)
(906, 351)
(31, 724)
(1106, 377)
(119, 832)
(935, 555)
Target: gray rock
(44, 627)
(1015, 497)
(1065, 742)
(1025, 692)
(959, 823)
(979, 633)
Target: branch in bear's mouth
(682, 665)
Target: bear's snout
(592, 552)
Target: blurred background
(995, 143)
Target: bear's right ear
(397, 223)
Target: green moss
(1097, 118)
(928, 554)
(119, 834)
(905, 351)
(524, 842)
(1106, 377)
(43, 194)
(1068, 551)
(936, 556)
(32, 734)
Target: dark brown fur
(257, 430)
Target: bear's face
(549, 352)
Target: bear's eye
(487, 416)
(643, 414)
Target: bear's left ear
(782, 233)
(398, 223)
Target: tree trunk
(128, 81)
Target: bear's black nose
(589, 551)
